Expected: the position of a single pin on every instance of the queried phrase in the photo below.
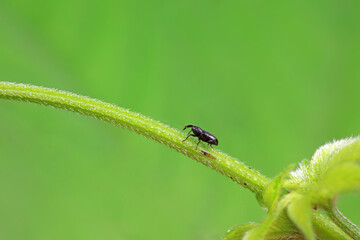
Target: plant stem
(138, 123)
(326, 229)
(157, 131)
(343, 222)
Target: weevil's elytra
(201, 135)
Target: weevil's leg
(197, 144)
(186, 138)
(189, 136)
(211, 146)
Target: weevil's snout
(216, 142)
(187, 126)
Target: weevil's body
(201, 135)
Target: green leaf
(326, 157)
(339, 179)
(349, 153)
(299, 211)
(259, 232)
(271, 199)
(332, 170)
(276, 225)
(238, 232)
(272, 192)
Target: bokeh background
(272, 80)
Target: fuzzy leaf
(299, 211)
(276, 225)
(339, 179)
(327, 156)
(271, 199)
(349, 153)
(259, 232)
(238, 232)
(332, 170)
(272, 191)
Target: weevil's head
(214, 141)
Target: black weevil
(202, 135)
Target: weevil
(201, 135)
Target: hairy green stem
(138, 123)
(155, 130)
(344, 223)
(326, 229)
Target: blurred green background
(272, 80)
